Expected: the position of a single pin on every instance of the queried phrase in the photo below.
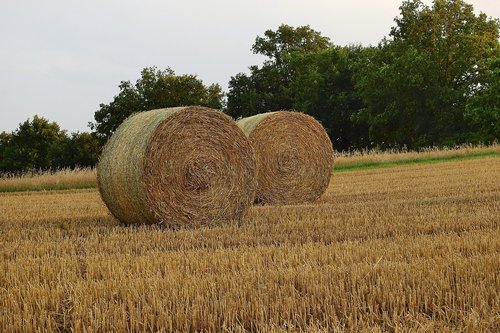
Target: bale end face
(187, 166)
(294, 157)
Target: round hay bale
(184, 166)
(294, 156)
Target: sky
(61, 58)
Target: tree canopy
(483, 108)
(304, 72)
(154, 89)
(415, 85)
(431, 82)
(277, 45)
(39, 144)
(267, 88)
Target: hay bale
(294, 156)
(184, 166)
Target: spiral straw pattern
(294, 156)
(185, 166)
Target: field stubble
(407, 248)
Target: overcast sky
(61, 58)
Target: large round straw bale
(184, 166)
(294, 156)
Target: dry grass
(62, 179)
(400, 249)
(376, 156)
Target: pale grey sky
(61, 58)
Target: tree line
(434, 81)
(41, 145)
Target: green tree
(306, 73)
(155, 89)
(483, 108)
(87, 149)
(278, 45)
(286, 39)
(262, 91)
(397, 91)
(5, 141)
(77, 150)
(28, 147)
(324, 88)
(415, 85)
(267, 88)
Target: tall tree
(5, 142)
(154, 89)
(276, 45)
(39, 144)
(416, 84)
(28, 147)
(78, 150)
(306, 73)
(266, 88)
(483, 108)
(324, 88)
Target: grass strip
(55, 187)
(414, 161)
(338, 168)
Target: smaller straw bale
(294, 156)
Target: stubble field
(396, 249)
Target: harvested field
(397, 249)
